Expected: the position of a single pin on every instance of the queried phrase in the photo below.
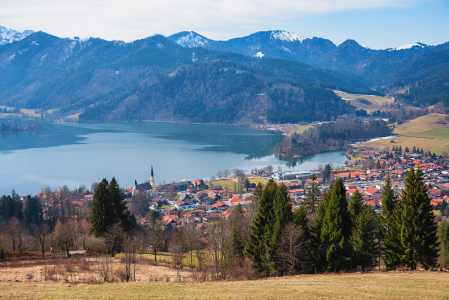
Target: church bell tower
(153, 184)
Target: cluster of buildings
(367, 175)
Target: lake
(73, 154)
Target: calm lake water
(73, 154)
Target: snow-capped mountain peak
(286, 36)
(407, 46)
(8, 35)
(191, 40)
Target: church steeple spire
(153, 184)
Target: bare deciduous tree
(42, 234)
(292, 249)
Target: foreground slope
(391, 285)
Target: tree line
(331, 136)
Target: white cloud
(134, 19)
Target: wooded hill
(222, 92)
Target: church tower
(153, 184)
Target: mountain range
(181, 77)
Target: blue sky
(374, 23)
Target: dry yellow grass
(417, 285)
(377, 102)
(434, 145)
(229, 184)
(74, 117)
(422, 124)
(299, 129)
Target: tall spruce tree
(102, 210)
(364, 240)
(273, 215)
(121, 213)
(418, 237)
(311, 196)
(109, 208)
(336, 230)
(282, 213)
(32, 210)
(318, 248)
(391, 209)
(262, 227)
(355, 206)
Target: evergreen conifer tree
(414, 149)
(364, 238)
(390, 213)
(32, 210)
(311, 197)
(418, 237)
(283, 212)
(121, 212)
(318, 248)
(355, 206)
(102, 216)
(262, 227)
(336, 230)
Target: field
(417, 285)
(229, 184)
(432, 125)
(428, 144)
(370, 104)
(298, 129)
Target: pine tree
(311, 197)
(282, 212)
(122, 215)
(390, 213)
(364, 238)
(355, 206)
(318, 248)
(336, 230)
(418, 238)
(407, 150)
(400, 149)
(378, 164)
(33, 211)
(262, 227)
(414, 149)
(102, 209)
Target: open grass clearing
(166, 257)
(433, 145)
(407, 285)
(432, 125)
(371, 103)
(229, 184)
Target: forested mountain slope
(222, 92)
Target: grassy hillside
(432, 125)
(416, 285)
(370, 103)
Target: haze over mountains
(188, 77)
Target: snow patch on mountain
(8, 35)
(286, 36)
(192, 40)
(407, 46)
(259, 54)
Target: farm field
(432, 125)
(433, 145)
(370, 103)
(229, 184)
(393, 285)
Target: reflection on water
(83, 153)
